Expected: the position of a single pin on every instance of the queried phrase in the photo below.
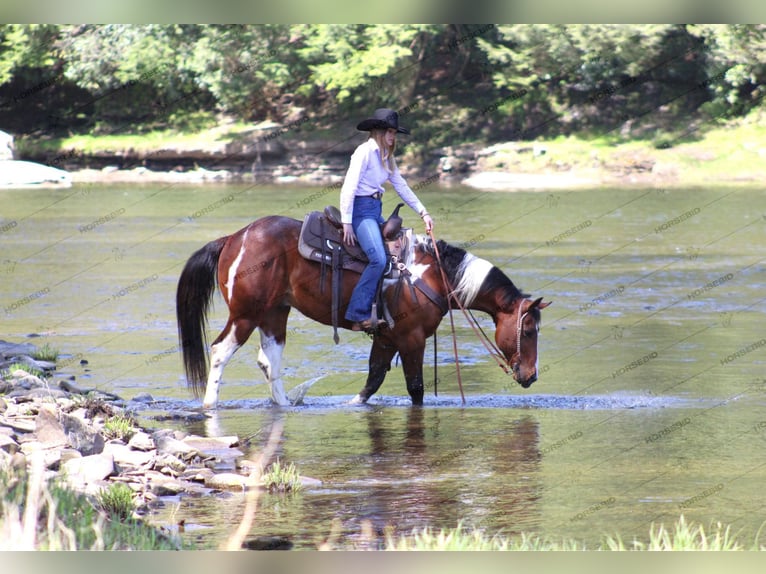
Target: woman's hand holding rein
(428, 222)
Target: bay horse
(262, 276)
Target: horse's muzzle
(525, 382)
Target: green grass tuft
(120, 426)
(46, 353)
(67, 520)
(116, 501)
(682, 535)
(10, 369)
(279, 478)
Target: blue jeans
(366, 221)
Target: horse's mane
(469, 274)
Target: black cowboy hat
(382, 118)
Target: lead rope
(489, 345)
(451, 320)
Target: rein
(480, 334)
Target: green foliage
(116, 501)
(682, 535)
(10, 369)
(279, 478)
(458, 82)
(120, 426)
(66, 520)
(46, 353)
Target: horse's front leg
(381, 354)
(412, 364)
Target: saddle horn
(393, 224)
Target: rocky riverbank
(271, 154)
(91, 439)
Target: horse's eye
(529, 332)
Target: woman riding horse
(372, 164)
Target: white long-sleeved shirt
(366, 175)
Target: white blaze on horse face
(234, 266)
(270, 361)
(220, 354)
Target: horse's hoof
(357, 400)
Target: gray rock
(166, 443)
(230, 481)
(35, 364)
(198, 474)
(166, 460)
(36, 392)
(126, 459)
(18, 424)
(81, 437)
(12, 349)
(218, 447)
(23, 379)
(8, 445)
(141, 441)
(143, 398)
(88, 469)
(49, 430)
(68, 454)
(168, 488)
(51, 456)
(268, 543)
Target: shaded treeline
(457, 82)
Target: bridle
(492, 349)
(518, 331)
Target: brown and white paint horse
(262, 277)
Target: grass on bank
(682, 535)
(120, 426)
(7, 372)
(49, 516)
(281, 478)
(697, 152)
(735, 151)
(46, 353)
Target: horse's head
(516, 336)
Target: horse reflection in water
(262, 277)
(427, 474)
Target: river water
(650, 402)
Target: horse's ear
(539, 303)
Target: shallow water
(649, 404)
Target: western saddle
(321, 240)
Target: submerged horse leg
(273, 333)
(233, 336)
(380, 363)
(412, 364)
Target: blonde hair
(386, 152)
